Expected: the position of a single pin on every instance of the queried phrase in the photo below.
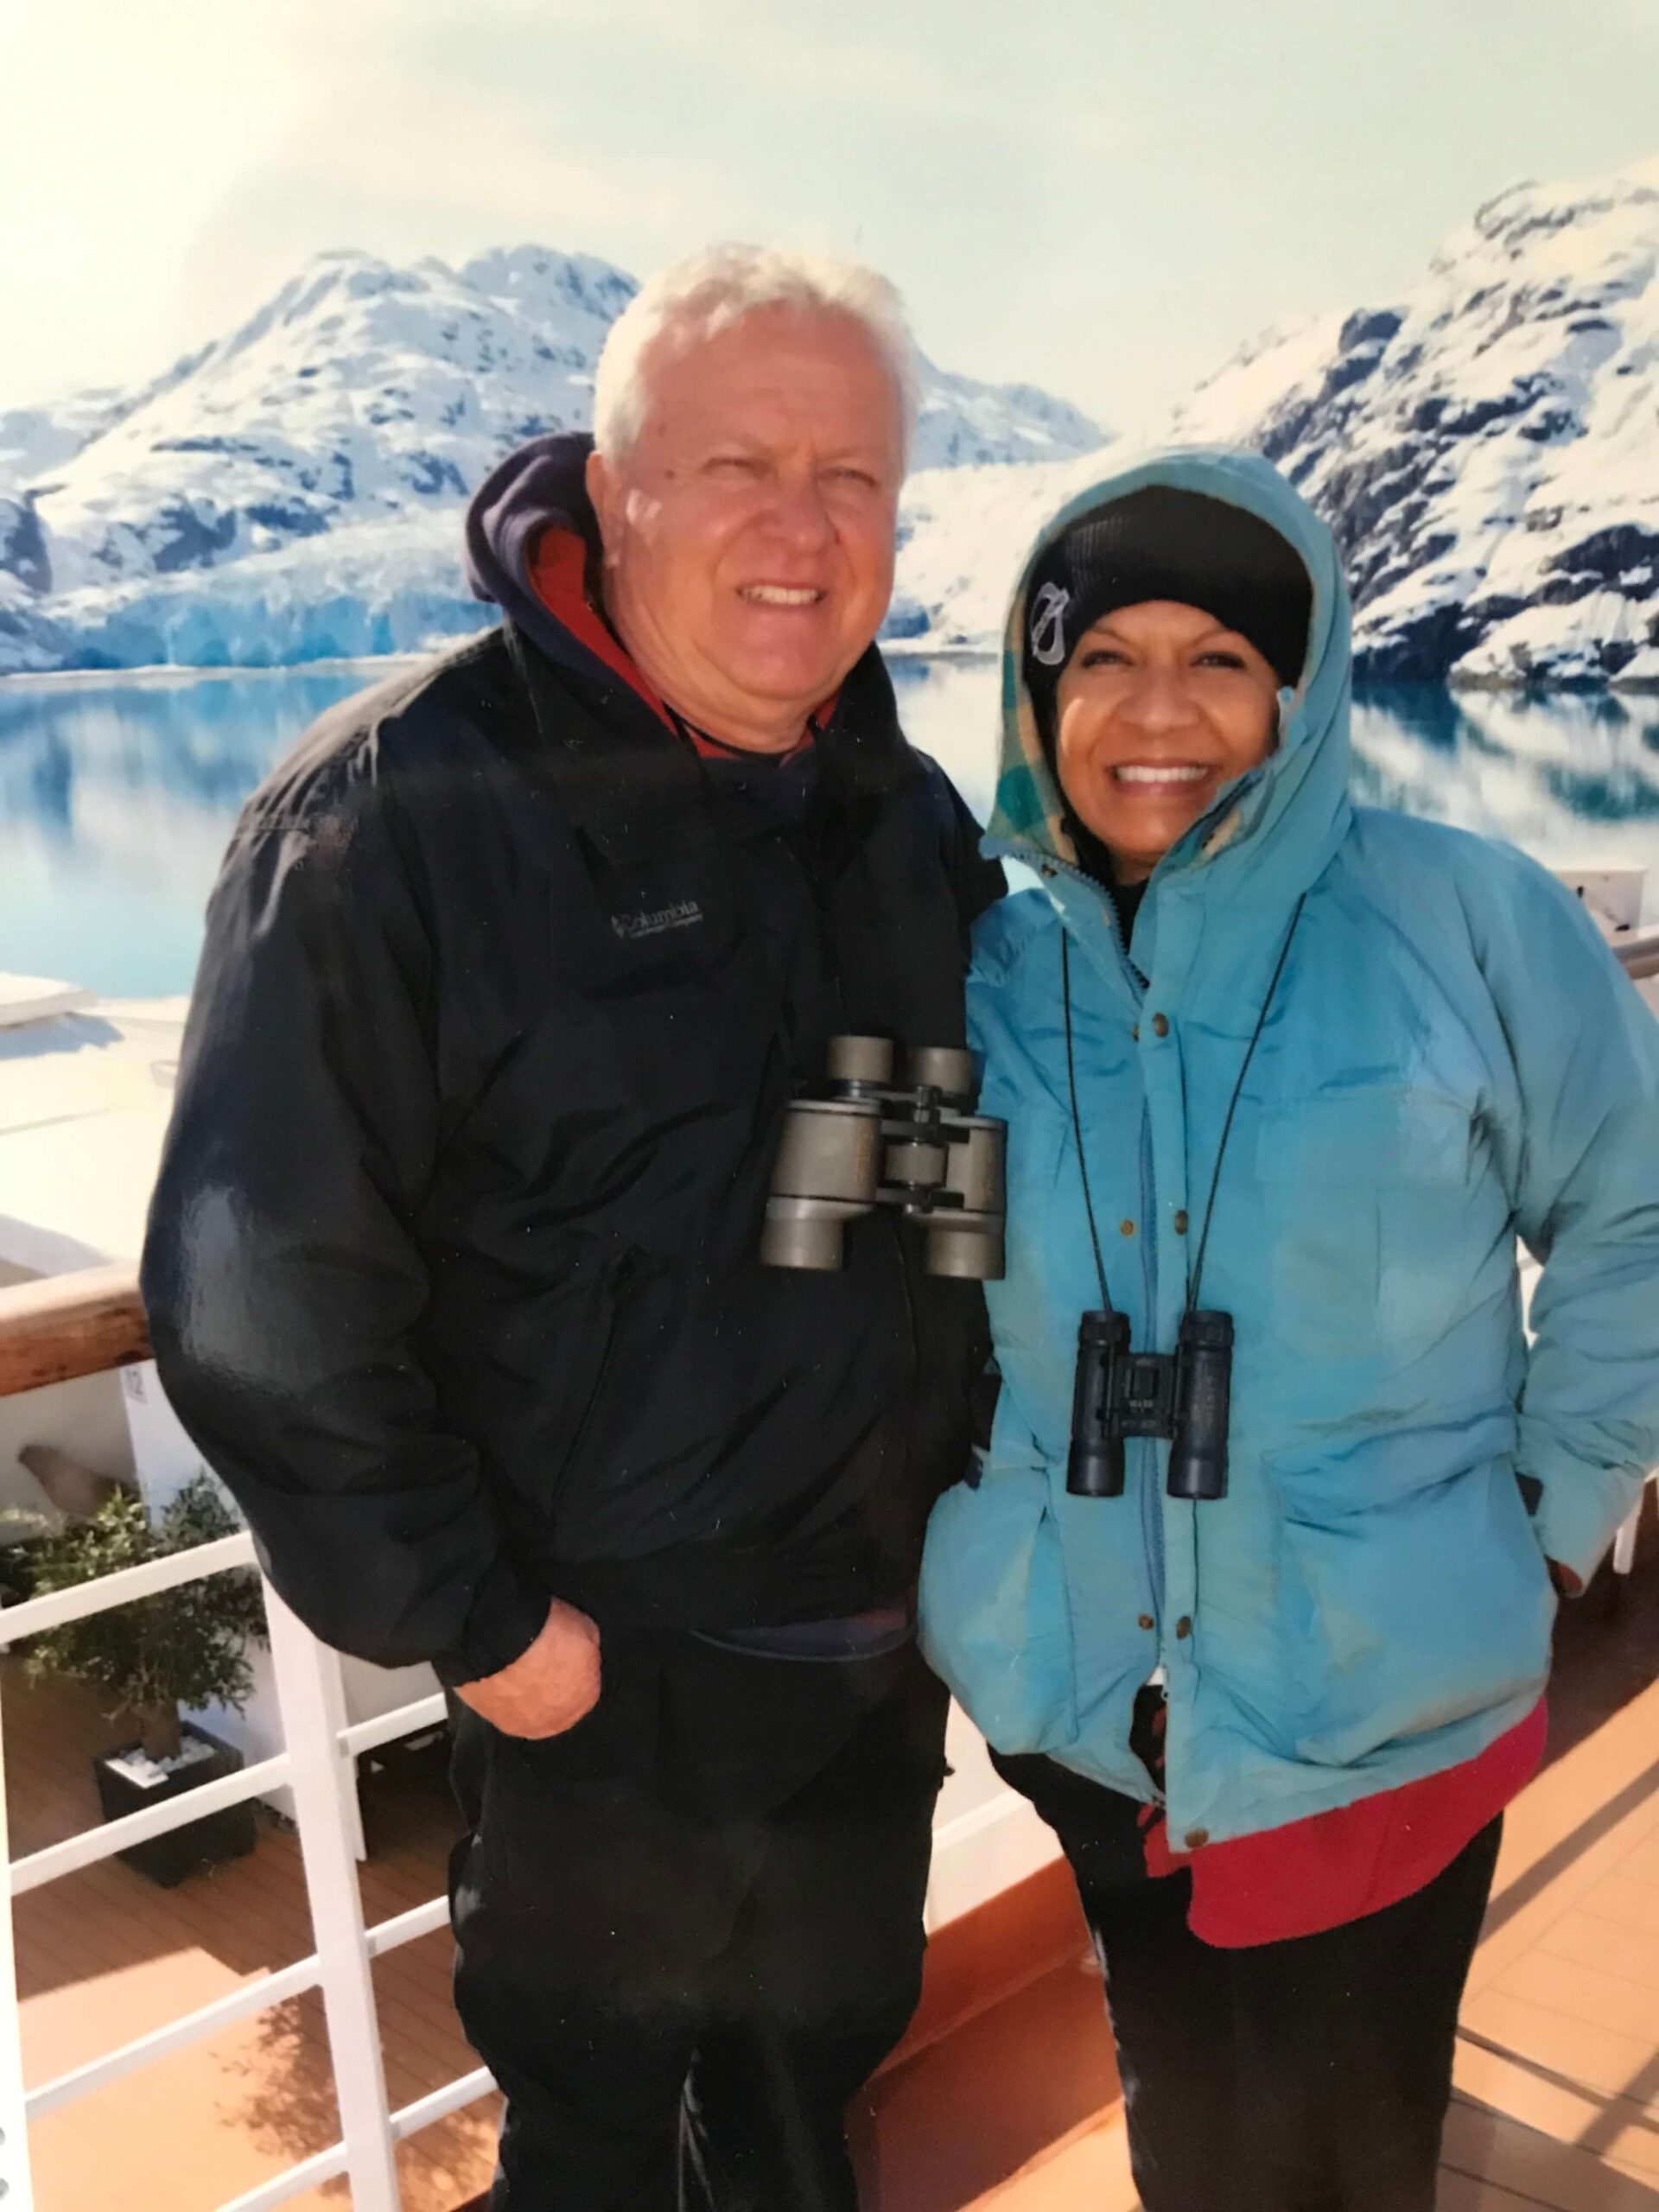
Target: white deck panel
(83, 1102)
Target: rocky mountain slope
(1487, 449)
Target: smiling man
(509, 975)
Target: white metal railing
(74, 1327)
(318, 1767)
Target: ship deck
(1557, 2065)
(1557, 2095)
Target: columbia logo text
(682, 916)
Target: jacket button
(1126, 1228)
(1160, 1025)
(1184, 1626)
(1146, 1621)
(1180, 1222)
(1135, 1033)
(1196, 1838)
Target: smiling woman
(1158, 707)
(1162, 631)
(1252, 1596)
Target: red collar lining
(558, 576)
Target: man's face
(748, 533)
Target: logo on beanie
(1048, 626)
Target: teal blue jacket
(1452, 1061)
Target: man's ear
(602, 490)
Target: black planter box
(171, 1859)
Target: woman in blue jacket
(1307, 1070)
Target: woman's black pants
(1308, 2075)
(690, 1930)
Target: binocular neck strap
(1077, 1119)
(1195, 1280)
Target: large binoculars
(1185, 1395)
(870, 1141)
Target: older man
(452, 1268)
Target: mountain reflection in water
(118, 793)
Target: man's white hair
(696, 299)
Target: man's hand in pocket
(549, 1687)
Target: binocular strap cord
(1077, 1118)
(1195, 1282)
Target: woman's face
(1158, 708)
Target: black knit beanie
(1159, 542)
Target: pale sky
(1099, 197)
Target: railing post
(17, 2182)
(322, 1772)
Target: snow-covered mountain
(1487, 450)
(962, 424)
(293, 487)
(360, 392)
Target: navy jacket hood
(539, 487)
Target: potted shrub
(182, 1647)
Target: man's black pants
(1309, 2075)
(689, 1930)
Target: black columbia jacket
(451, 1266)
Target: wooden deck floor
(105, 1955)
(1558, 2070)
(1557, 2102)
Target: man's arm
(1586, 1050)
(281, 1277)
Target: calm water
(116, 794)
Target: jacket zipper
(1152, 1512)
(613, 1291)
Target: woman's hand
(1568, 1583)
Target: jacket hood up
(1272, 828)
(1449, 1058)
(539, 490)
(539, 485)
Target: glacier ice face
(387, 586)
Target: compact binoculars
(869, 1141)
(1185, 1395)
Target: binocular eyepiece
(1185, 1395)
(870, 1141)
